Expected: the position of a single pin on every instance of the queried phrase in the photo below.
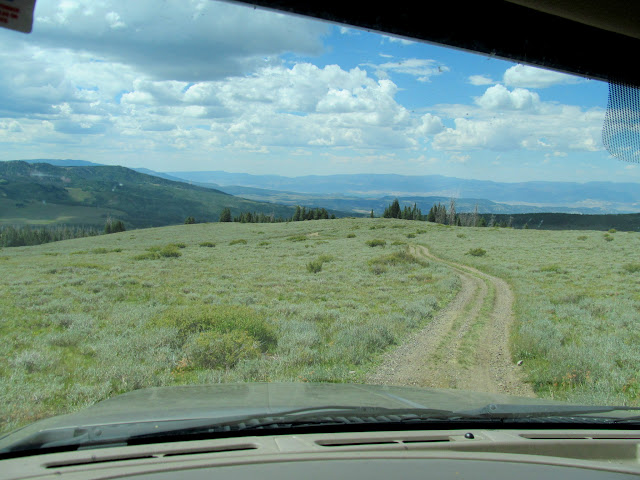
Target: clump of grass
(179, 245)
(461, 235)
(398, 258)
(554, 268)
(612, 230)
(52, 254)
(419, 231)
(297, 238)
(411, 235)
(264, 243)
(100, 250)
(207, 244)
(195, 319)
(79, 252)
(608, 237)
(477, 252)
(351, 235)
(238, 241)
(376, 243)
(632, 267)
(315, 266)
(155, 253)
(378, 269)
(215, 350)
(582, 237)
(398, 242)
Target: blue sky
(201, 85)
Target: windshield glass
(196, 193)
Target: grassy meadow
(577, 305)
(85, 319)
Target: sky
(198, 85)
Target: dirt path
(465, 346)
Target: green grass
(79, 327)
(577, 306)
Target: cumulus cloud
(500, 98)
(424, 69)
(532, 77)
(480, 80)
(549, 128)
(205, 40)
(429, 125)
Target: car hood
(225, 400)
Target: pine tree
(225, 215)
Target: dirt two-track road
(465, 346)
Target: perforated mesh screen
(621, 130)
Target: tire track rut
(465, 346)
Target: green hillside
(40, 194)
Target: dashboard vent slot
(354, 443)
(96, 461)
(233, 448)
(364, 442)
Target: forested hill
(40, 193)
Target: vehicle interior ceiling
(590, 38)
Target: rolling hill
(41, 193)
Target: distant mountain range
(491, 197)
(42, 193)
(360, 193)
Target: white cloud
(532, 77)
(187, 41)
(402, 41)
(500, 98)
(430, 125)
(424, 69)
(548, 128)
(480, 80)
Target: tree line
(440, 214)
(26, 235)
(300, 214)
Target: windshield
(198, 193)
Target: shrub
(477, 252)
(612, 230)
(376, 243)
(207, 244)
(239, 241)
(378, 269)
(608, 237)
(632, 267)
(314, 266)
(170, 251)
(192, 319)
(297, 238)
(154, 253)
(555, 268)
(216, 350)
(398, 258)
(411, 235)
(351, 235)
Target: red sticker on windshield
(17, 14)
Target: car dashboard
(483, 453)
